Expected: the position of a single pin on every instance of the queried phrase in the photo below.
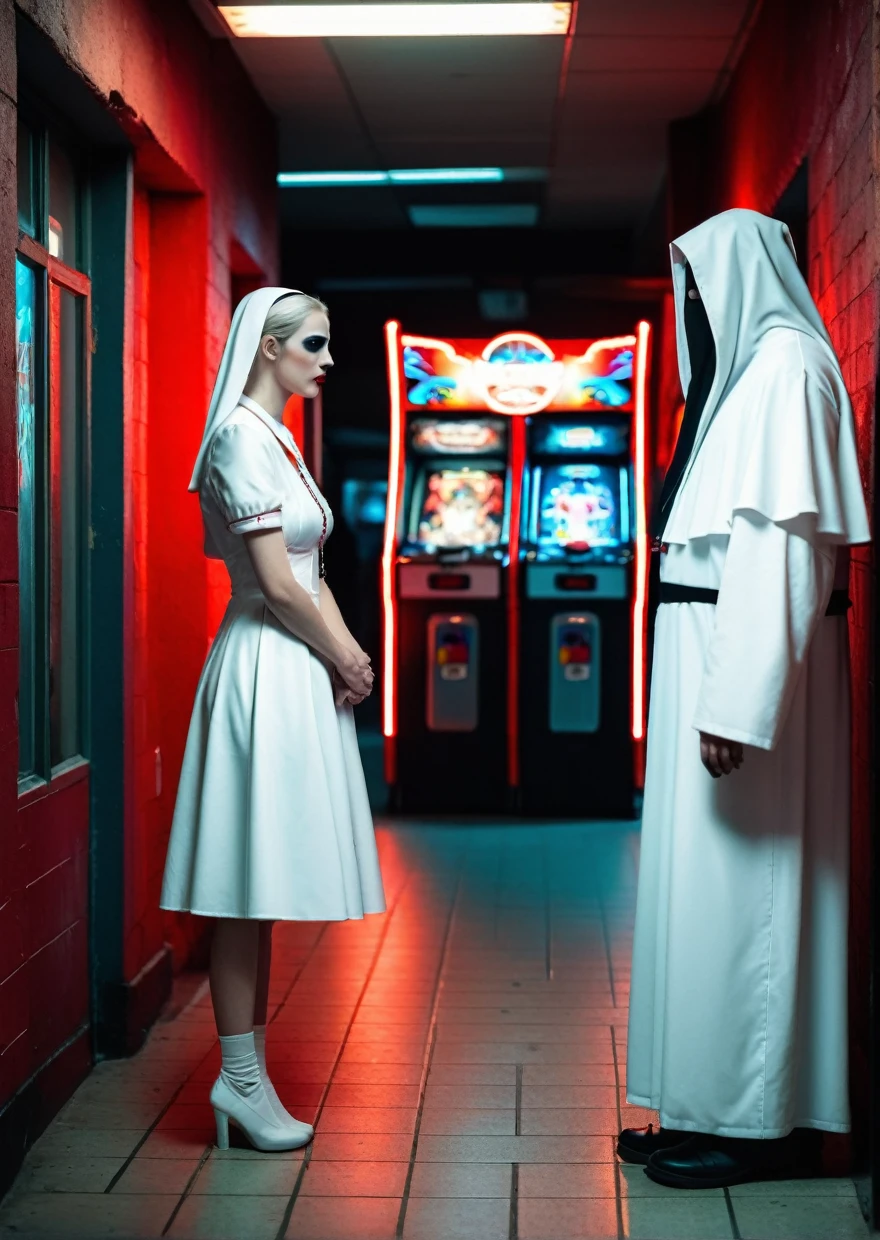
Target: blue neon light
(409, 176)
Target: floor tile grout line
(731, 1214)
(294, 1193)
(617, 1193)
(614, 1052)
(186, 1192)
(606, 938)
(548, 918)
(513, 1224)
(302, 968)
(289, 1208)
(152, 1128)
(432, 1043)
(410, 1170)
(518, 1104)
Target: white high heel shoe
(282, 1114)
(256, 1118)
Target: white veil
(245, 333)
(785, 441)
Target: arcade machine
(443, 579)
(583, 584)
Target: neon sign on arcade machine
(444, 581)
(454, 565)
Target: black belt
(671, 592)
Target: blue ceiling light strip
(317, 179)
(449, 176)
(410, 176)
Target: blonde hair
(288, 313)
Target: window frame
(53, 276)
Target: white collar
(275, 425)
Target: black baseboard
(29, 1112)
(129, 1009)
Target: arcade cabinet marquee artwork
(514, 572)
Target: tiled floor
(463, 1059)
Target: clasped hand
(352, 678)
(720, 757)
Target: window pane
(27, 219)
(67, 345)
(25, 328)
(63, 205)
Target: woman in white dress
(272, 820)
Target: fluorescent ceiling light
(412, 176)
(476, 215)
(333, 178)
(457, 176)
(334, 21)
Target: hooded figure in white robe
(738, 1012)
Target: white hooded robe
(738, 1012)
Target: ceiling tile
(669, 95)
(640, 55)
(632, 18)
(603, 149)
(438, 58)
(444, 120)
(467, 151)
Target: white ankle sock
(241, 1068)
(260, 1047)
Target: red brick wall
(43, 932)
(201, 132)
(804, 88)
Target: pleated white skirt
(272, 819)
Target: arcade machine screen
(580, 507)
(461, 508)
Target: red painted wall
(804, 89)
(204, 214)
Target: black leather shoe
(636, 1145)
(718, 1162)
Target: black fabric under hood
(701, 351)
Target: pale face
(302, 362)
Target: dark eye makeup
(314, 344)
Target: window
(53, 302)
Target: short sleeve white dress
(272, 819)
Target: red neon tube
(389, 547)
(640, 593)
(517, 466)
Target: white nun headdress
(245, 333)
(777, 434)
